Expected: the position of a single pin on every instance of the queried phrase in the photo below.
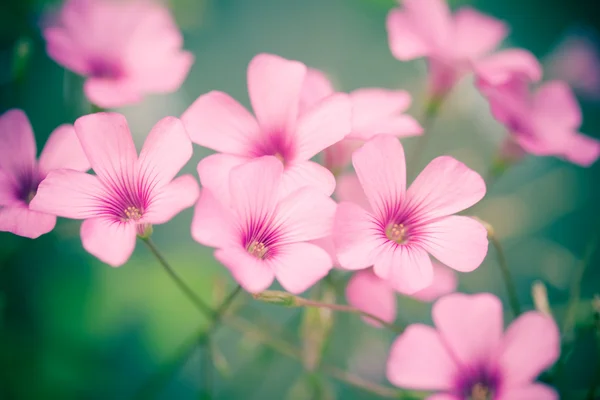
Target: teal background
(74, 328)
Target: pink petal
(323, 125)
(8, 190)
(381, 169)
(582, 150)
(63, 49)
(326, 243)
(535, 391)
(555, 103)
(406, 268)
(274, 86)
(213, 225)
(405, 41)
(530, 346)
(419, 360)
(443, 396)
(214, 174)
(63, 150)
(338, 157)
(164, 75)
(107, 143)
(475, 33)
(369, 106)
(470, 326)
(315, 88)
(432, 19)
(373, 295)
(355, 235)
(22, 221)
(17, 143)
(307, 173)
(166, 150)
(459, 242)
(444, 282)
(111, 93)
(70, 194)
(444, 187)
(505, 65)
(298, 266)
(215, 120)
(173, 198)
(349, 189)
(253, 274)
(112, 242)
(397, 125)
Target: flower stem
(431, 112)
(506, 276)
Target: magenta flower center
(258, 250)
(277, 145)
(27, 185)
(397, 233)
(102, 68)
(479, 383)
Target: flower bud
(540, 298)
(488, 227)
(144, 231)
(277, 297)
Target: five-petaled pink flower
(374, 111)
(405, 225)
(455, 44)
(126, 49)
(545, 123)
(469, 357)
(217, 121)
(260, 232)
(20, 173)
(128, 194)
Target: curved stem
(506, 276)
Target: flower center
(132, 214)
(480, 392)
(102, 68)
(397, 233)
(258, 250)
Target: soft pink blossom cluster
(265, 205)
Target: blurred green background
(73, 328)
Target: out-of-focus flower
(260, 233)
(217, 121)
(455, 44)
(128, 194)
(125, 49)
(405, 225)
(374, 111)
(544, 123)
(20, 173)
(467, 355)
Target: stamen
(480, 392)
(132, 214)
(397, 233)
(30, 196)
(258, 250)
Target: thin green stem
(429, 116)
(506, 276)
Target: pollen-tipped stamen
(397, 233)
(132, 214)
(258, 250)
(479, 391)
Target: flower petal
(307, 173)
(214, 174)
(371, 104)
(63, 49)
(17, 144)
(8, 190)
(396, 125)
(535, 391)
(110, 241)
(371, 294)
(505, 65)
(470, 325)
(406, 268)
(253, 274)
(582, 150)
(213, 225)
(444, 282)
(405, 42)
(173, 198)
(315, 88)
(349, 189)
(298, 266)
(215, 120)
(476, 34)
(111, 93)
(419, 360)
(63, 150)
(555, 103)
(443, 396)
(23, 222)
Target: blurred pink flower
(128, 194)
(261, 233)
(20, 173)
(544, 123)
(126, 49)
(374, 111)
(405, 225)
(455, 44)
(468, 356)
(217, 121)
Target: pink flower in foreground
(405, 225)
(455, 44)
(260, 235)
(127, 194)
(217, 121)
(545, 123)
(20, 173)
(374, 111)
(126, 49)
(467, 355)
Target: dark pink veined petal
(63, 150)
(62, 48)
(213, 224)
(446, 186)
(253, 274)
(349, 189)
(405, 41)
(171, 199)
(17, 144)
(112, 242)
(503, 66)
(324, 124)
(356, 236)
(476, 34)
(70, 194)
(456, 241)
(406, 268)
(166, 150)
(274, 86)
(8, 190)
(530, 346)
(419, 360)
(582, 150)
(373, 295)
(554, 103)
(470, 325)
(315, 88)
(217, 121)
(214, 174)
(381, 169)
(20, 220)
(535, 391)
(444, 281)
(307, 173)
(298, 266)
(111, 93)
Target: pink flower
(126, 49)
(217, 121)
(127, 194)
(455, 44)
(20, 173)
(468, 356)
(260, 232)
(405, 225)
(374, 111)
(545, 123)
